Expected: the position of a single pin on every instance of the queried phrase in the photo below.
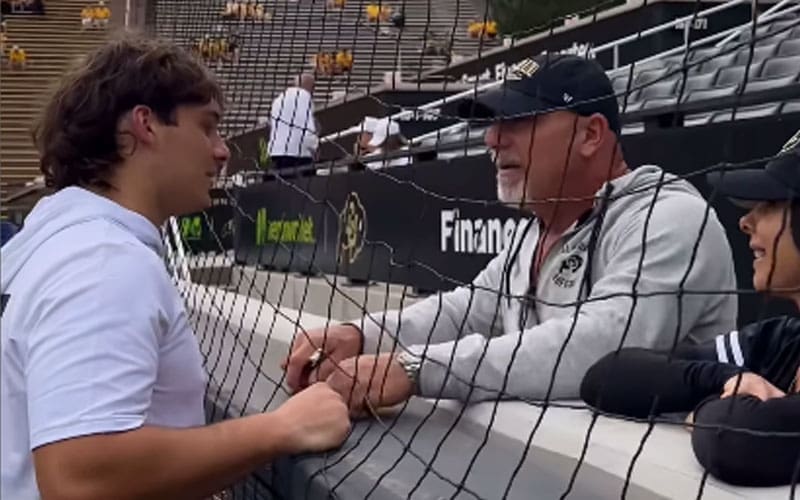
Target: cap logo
(523, 69)
(567, 98)
(791, 143)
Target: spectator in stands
(103, 385)
(324, 63)
(231, 10)
(260, 14)
(23, 7)
(337, 4)
(398, 20)
(560, 294)
(480, 29)
(17, 58)
(87, 17)
(293, 137)
(234, 48)
(437, 44)
(378, 138)
(344, 61)
(377, 13)
(745, 379)
(102, 14)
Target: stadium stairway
(275, 51)
(51, 41)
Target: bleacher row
(770, 60)
(710, 72)
(274, 51)
(52, 41)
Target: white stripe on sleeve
(722, 353)
(736, 349)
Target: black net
(392, 222)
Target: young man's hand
(751, 385)
(316, 418)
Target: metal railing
(759, 21)
(685, 21)
(592, 53)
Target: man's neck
(558, 220)
(127, 199)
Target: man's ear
(135, 129)
(595, 131)
(143, 124)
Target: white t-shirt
(95, 337)
(292, 128)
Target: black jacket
(640, 382)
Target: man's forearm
(155, 462)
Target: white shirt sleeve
(93, 349)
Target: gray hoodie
(500, 334)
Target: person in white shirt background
(293, 139)
(380, 137)
(103, 388)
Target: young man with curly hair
(102, 380)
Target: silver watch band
(412, 365)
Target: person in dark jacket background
(742, 386)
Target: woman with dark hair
(742, 388)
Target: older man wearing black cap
(601, 263)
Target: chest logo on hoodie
(567, 274)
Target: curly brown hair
(77, 136)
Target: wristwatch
(412, 365)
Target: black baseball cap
(546, 83)
(779, 180)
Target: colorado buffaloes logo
(567, 271)
(352, 228)
(523, 69)
(791, 143)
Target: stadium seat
(722, 60)
(697, 120)
(760, 53)
(658, 89)
(660, 102)
(769, 83)
(748, 112)
(791, 107)
(620, 84)
(735, 75)
(781, 66)
(630, 106)
(697, 82)
(789, 48)
(633, 128)
(761, 32)
(700, 54)
(648, 76)
(785, 26)
(649, 65)
(714, 93)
